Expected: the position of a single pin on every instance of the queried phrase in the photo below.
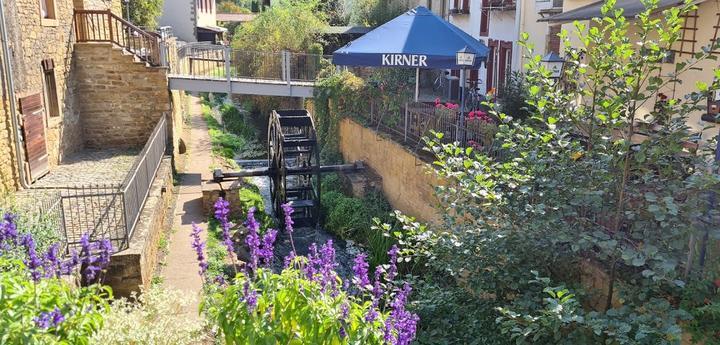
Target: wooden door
(33, 125)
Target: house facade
(699, 29)
(192, 20)
(499, 23)
(39, 118)
(66, 88)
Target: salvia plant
(306, 302)
(37, 305)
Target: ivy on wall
(337, 95)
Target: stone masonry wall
(407, 181)
(122, 97)
(8, 163)
(32, 41)
(133, 268)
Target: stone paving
(109, 166)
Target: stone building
(59, 96)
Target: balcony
(500, 5)
(460, 7)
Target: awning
(212, 29)
(631, 8)
(415, 39)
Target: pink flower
(471, 115)
(437, 101)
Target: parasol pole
(417, 84)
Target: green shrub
(22, 300)
(290, 309)
(352, 218)
(157, 316)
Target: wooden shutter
(490, 65)
(484, 19)
(466, 6)
(31, 108)
(504, 62)
(456, 5)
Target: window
(50, 88)
(484, 19)
(47, 9)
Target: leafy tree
(578, 190)
(292, 25)
(376, 12)
(231, 7)
(145, 13)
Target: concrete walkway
(181, 272)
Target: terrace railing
(136, 186)
(212, 61)
(111, 211)
(415, 120)
(104, 26)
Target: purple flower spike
(32, 262)
(69, 265)
(8, 230)
(49, 319)
(401, 325)
(52, 262)
(288, 211)
(392, 271)
(253, 239)
(250, 297)
(199, 247)
(360, 268)
(94, 257)
(265, 254)
(222, 210)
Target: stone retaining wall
(133, 268)
(407, 181)
(122, 97)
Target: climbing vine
(337, 95)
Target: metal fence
(212, 61)
(108, 211)
(137, 184)
(415, 120)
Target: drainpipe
(11, 94)
(516, 47)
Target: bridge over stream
(204, 67)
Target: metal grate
(110, 211)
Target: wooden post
(406, 115)
(110, 29)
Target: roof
(214, 29)
(347, 30)
(631, 8)
(235, 17)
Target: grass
(236, 138)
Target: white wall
(180, 15)
(207, 17)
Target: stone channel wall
(407, 181)
(122, 97)
(133, 268)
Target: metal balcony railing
(104, 26)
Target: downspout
(7, 67)
(516, 46)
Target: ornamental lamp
(465, 57)
(554, 63)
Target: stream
(345, 251)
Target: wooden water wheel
(293, 166)
(294, 159)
